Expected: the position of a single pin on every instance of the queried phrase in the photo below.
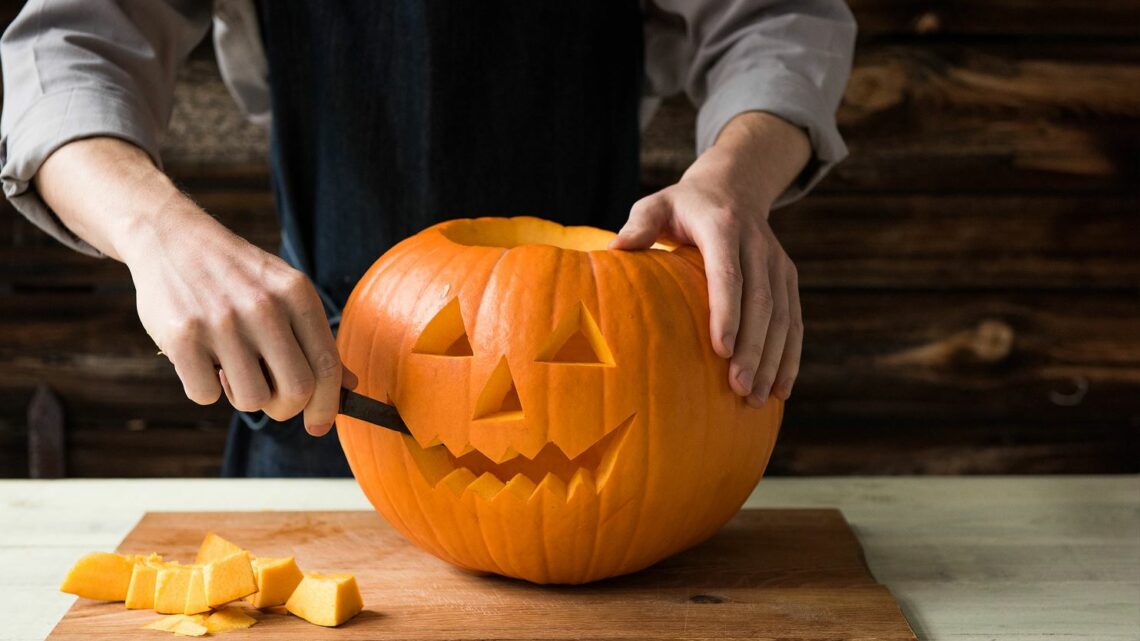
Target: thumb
(647, 218)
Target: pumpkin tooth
(530, 448)
(458, 480)
(552, 485)
(521, 487)
(432, 462)
(456, 447)
(507, 455)
(606, 466)
(487, 486)
(583, 482)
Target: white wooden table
(969, 558)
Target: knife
(370, 410)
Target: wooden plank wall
(971, 274)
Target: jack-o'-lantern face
(570, 420)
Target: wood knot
(991, 341)
(874, 88)
(705, 598)
(929, 22)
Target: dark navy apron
(390, 116)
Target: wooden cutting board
(769, 574)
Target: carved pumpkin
(570, 419)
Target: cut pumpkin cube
(326, 599)
(228, 619)
(214, 547)
(196, 602)
(140, 591)
(100, 575)
(171, 584)
(276, 580)
(229, 578)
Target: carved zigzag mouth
(550, 469)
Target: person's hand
(229, 316)
(721, 206)
(211, 300)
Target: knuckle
(796, 325)
(293, 285)
(727, 220)
(761, 299)
(732, 275)
(299, 388)
(183, 332)
(326, 364)
(781, 317)
(262, 304)
(224, 318)
(180, 345)
(293, 279)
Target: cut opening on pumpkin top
(516, 232)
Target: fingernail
(784, 391)
(757, 401)
(729, 343)
(319, 430)
(744, 377)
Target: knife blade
(370, 410)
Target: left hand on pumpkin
(721, 206)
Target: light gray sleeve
(81, 68)
(790, 58)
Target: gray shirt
(81, 68)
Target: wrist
(755, 158)
(151, 228)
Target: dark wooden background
(971, 275)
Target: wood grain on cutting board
(769, 574)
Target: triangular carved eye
(499, 398)
(445, 334)
(577, 339)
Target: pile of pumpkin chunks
(195, 596)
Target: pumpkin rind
(595, 366)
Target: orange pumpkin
(570, 419)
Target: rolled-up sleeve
(81, 68)
(790, 58)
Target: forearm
(757, 156)
(109, 193)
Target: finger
(720, 249)
(776, 337)
(195, 368)
(244, 381)
(311, 327)
(790, 361)
(647, 218)
(754, 318)
(348, 379)
(288, 369)
(225, 385)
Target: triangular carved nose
(499, 398)
(577, 339)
